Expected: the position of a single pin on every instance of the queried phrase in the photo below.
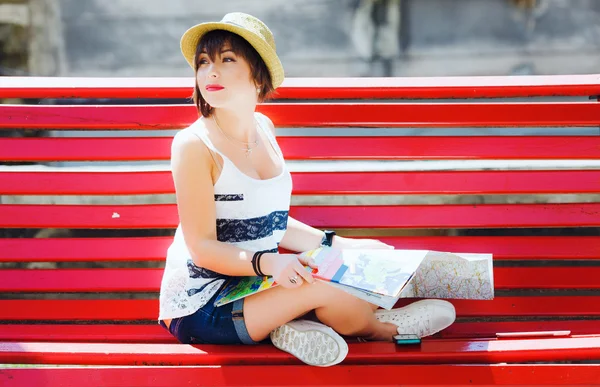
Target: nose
(213, 71)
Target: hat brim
(190, 39)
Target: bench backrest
(369, 151)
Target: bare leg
(346, 314)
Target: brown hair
(211, 43)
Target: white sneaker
(423, 318)
(311, 342)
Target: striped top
(251, 214)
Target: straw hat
(246, 26)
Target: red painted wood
(440, 147)
(316, 148)
(86, 183)
(148, 280)
(147, 309)
(84, 249)
(80, 280)
(534, 375)
(96, 216)
(313, 88)
(507, 248)
(154, 248)
(132, 333)
(156, 334)
(85, 149)
(488, 329)
(315, 183)
(458, 216)
(464, 182)
(417, 216)
(440, 87)
(101, 117)
(430, 351)
(113, 87)
(310, 115)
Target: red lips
(214, 87)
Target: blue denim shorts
(212, 325)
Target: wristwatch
(327, 238)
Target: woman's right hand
(287, 269)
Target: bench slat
(409, 216)
(147, 309)
(148, 280)
(438, 351)
(316, 148)
(315, 183)
(84, 249)
(313, 88)
(412, 115)
(534, 375)
(154, 248)
(154, 333)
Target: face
(226, 81)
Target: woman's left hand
(351, 243)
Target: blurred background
(314, 37)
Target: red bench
(97, 326)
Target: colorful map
(380, 271)
(453, 275)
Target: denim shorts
(212, 325)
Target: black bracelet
(328, 238)
(256, 263)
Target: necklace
(247, 148)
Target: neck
(236, 124)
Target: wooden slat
(490, 328)
(507, 247)
(440, 147)
(315, 183)
(316, 148)
(430, 351)
(313, 88)
(103, 333)
(154, 248)
(342, 375)
(457, 216)
(80, 280)
(413, 216)
(84, 249)
(138, 333)
(79, 216)
(147, 309)
(533, 375)
(86, 183)
(85, 149)
(311, 115)
(148, 280)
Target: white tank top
(251, 214)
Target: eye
(228, 59)
(202, 61)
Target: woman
(233, 195)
